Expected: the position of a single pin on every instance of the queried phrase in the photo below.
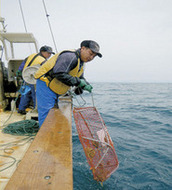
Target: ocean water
(138, 117)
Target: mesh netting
(96, 142)
(24, 127)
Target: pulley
(28, 74)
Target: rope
(14, 161)
(84, 101)
(2, 51)
(22, 16)
(74, 96)
(24, 22)
(25, 127)
(11, 111)
(92, 99)
(47, 15)
(9, 150)
(17, 143)
(79, 103)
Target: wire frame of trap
(96, 142)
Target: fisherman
(34, 59)
(59, 73)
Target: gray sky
(135, 36)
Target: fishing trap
(96, 142)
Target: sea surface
(138, 117)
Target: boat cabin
(14, 48)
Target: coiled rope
(25, 127)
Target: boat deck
(12, 148)
(47, 164)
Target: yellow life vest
(34, 59)
(55, 85)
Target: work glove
(82, 83)
(78, 90)
(88, 88)
(19, 73)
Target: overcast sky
(135, 36)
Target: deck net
(96, 142)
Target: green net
(24, 127)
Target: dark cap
(94, 46)
(47, 48)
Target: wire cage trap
(96, 142)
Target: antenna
(47, 15)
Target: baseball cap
(94, 46)
(47, 48)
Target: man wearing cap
(59, 73)
(34, 59)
